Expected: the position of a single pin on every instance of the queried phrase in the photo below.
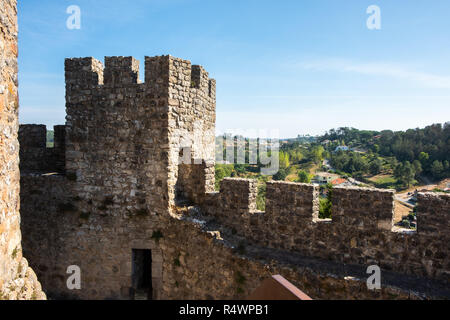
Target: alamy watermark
(74, 280)
(374, 281)
(374, 20)
(239, 149)
(235, 147)
(74, 20)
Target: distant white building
(322, 179)
(341, 148)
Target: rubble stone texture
(17, 280)
(135, 168)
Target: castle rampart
(361, 229)
(59, 233)
(124, 191)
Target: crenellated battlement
(433, 214)
(200, 80)
(162, 73)
(83, 73)
(364, 208)
(360, 231)
(110, 114)
(289, 201)
(35, 156)
(238, 196)
(121, 71)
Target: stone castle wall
(17, 280)
(122, 174)
(61, 232)
(34, 154)
(189, 259)
(124, 187)
(134, 132)
(360, 232)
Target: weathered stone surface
(360, 231)
(17, 280)
(34, 154)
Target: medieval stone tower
(121, 130)
(128, 153)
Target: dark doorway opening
(141, 274)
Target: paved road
(403, 201)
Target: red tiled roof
(338, 181)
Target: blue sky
(300, 67)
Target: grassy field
(384, 181)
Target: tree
(404, 172)
(375, 166)
(376, 148)
(325, 204)
(423, 158)
(317, 154)
(408, 173)
(398, 170)
(437, 169)
(281, 174)
(417, 167)
(324, 208)
(304, 177)
(220, 173)
(284, 160)
(240, 168)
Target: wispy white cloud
(381, 69)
